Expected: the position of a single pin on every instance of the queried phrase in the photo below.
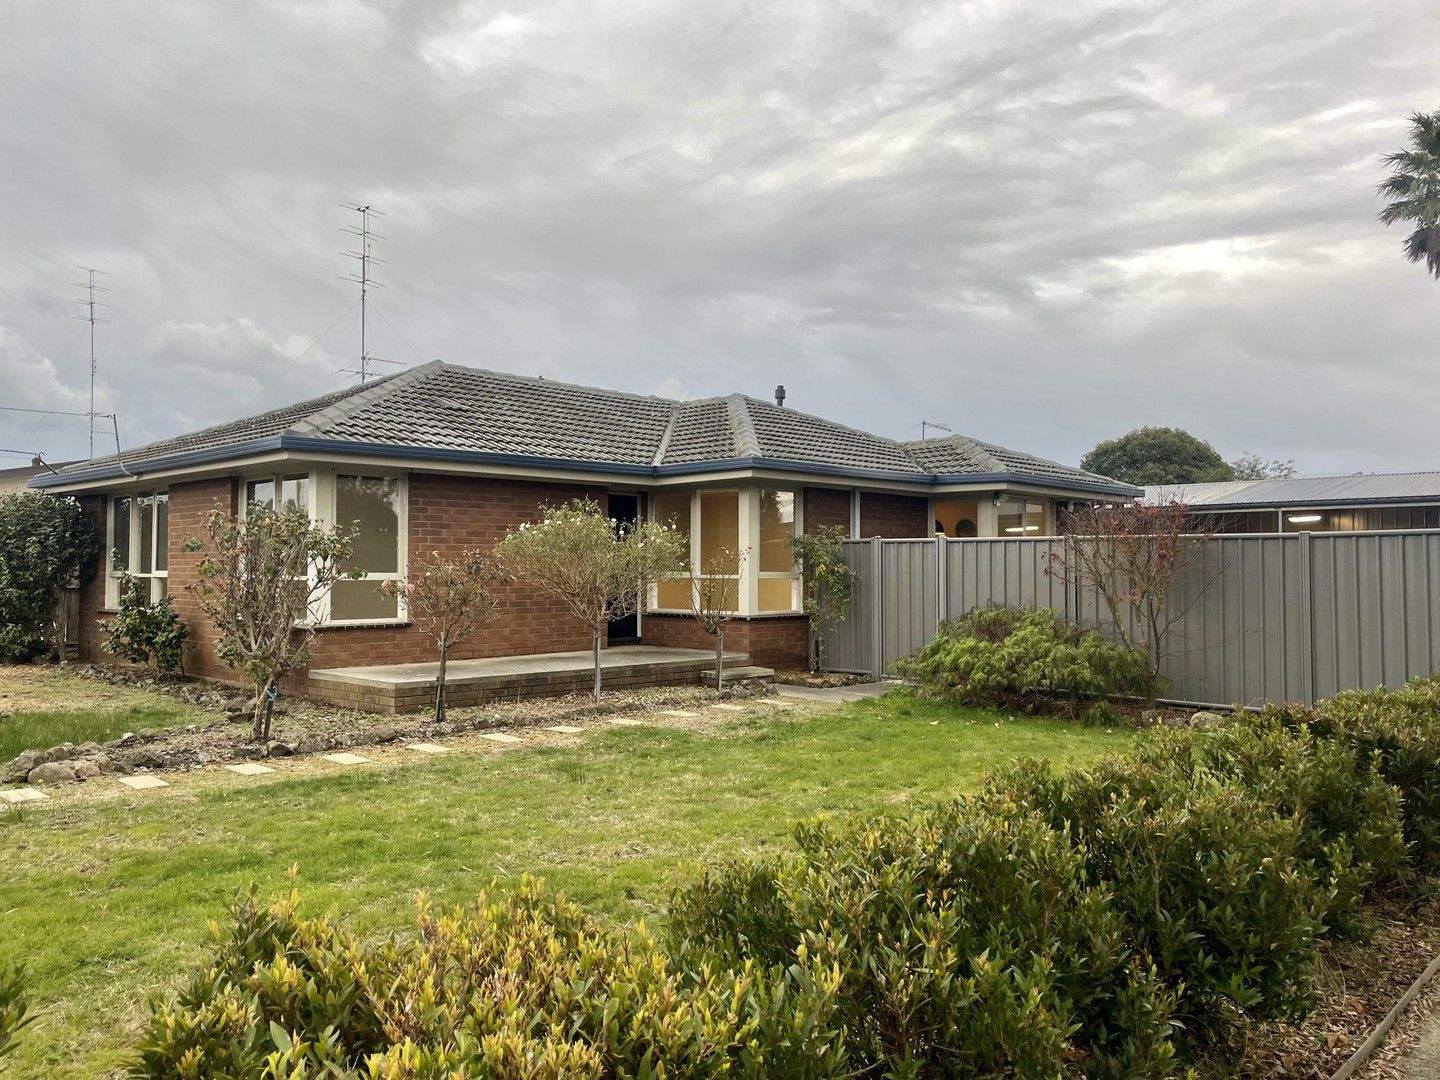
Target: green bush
(968, 944)
(1030, 660)
(1349, 818)
(45, 543)
(1212, 883)
(146, 633)
(14, 1009)
(517, 987)
(1400, 729)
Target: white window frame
(749, 526)
(159, 580)
(323, 491)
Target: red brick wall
(826, 507)
(190, 506)
(771, 641)
(894, 516)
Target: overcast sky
(1040, 223)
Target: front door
(625, 509)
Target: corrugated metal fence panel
(911, 597)
(1292, 617)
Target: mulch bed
(1360, 983)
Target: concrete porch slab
(392, 688)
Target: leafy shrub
(517, 987)
(45, 543)
(13, 1006)
(1211, 881)
(1400, 729)
(1012, 658)
(146, 633)
(1349, 818)
(967, 943)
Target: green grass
(108, 902)
(42, 730)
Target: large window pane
(673, 508)
(957, 517)
(162, 532)
(777, 594)
(719, 531)
(674, 594)
(260, 493)
(120, 535)
(371, 505)
(295, 491)
(777, 525)
(351, 600)
(145, 507)
(1021, 519)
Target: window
(371, 505)
(777, 578)
(673, 508)
(139, 543)
(1017, 518)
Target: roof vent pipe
(780, 396)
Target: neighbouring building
(1361, 502)
(443, 457)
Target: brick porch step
(747, 673)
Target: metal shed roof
(1353, 490)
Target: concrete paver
(565, 729)
(346, 759)
(16, 796)
(143, 782)
(249, 768)
(683, 714)
(500, 737)
(625, 721)
(728, 708)
(428, 747)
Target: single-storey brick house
(443, 457)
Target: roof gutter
(300, 443)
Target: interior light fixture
(1022, 528)
(1304, 519)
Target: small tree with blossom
(598, 568)
(714, 596)
(449, 599)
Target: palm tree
(1414, 187)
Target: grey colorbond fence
(1293, 617)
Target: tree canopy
(1413, 188)
(1157, 455)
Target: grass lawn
(108, 900)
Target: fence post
(877, 609)
(1306, 617)
(942, 599)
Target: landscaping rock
(314, 744)
(52, 772)
(19, 768)
(85, 749)
(250, 750)
(1206, 718)
(384, 733)
(63, 752)
(144, 758)
(280, 749)
(128, 739)
(85, 770)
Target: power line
(90, 304)
(49, 412)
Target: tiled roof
(444, 410)
(1304, 491)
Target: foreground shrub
(1015, 659)
(45, 543)
(968, 944)
(1348, 818)
(1400, 729)
(14, 1009)
(1212, 884)
(146, 633)
(517, 987)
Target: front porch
(395, 688)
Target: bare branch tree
(1135, 556)
(449, 599)
(598, 568)
(260, 582)
(714, 599)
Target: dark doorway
(625, 509)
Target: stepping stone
(773, 703)
(23, 795)
(345, 759)
(728, 708)
(500, 737)
(677, 712)
(565, 729)
(428, 747)
(625, 721)
(143, 782)
(249, 769)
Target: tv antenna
(368, 237)
(938, 427)
(89, 303)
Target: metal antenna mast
(89, 303)
(924, 424)
(368, 238)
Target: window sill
(735, 615)
(361, 624)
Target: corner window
(373, 506)
(139, 543)
(1015, 518)
(778, 584)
